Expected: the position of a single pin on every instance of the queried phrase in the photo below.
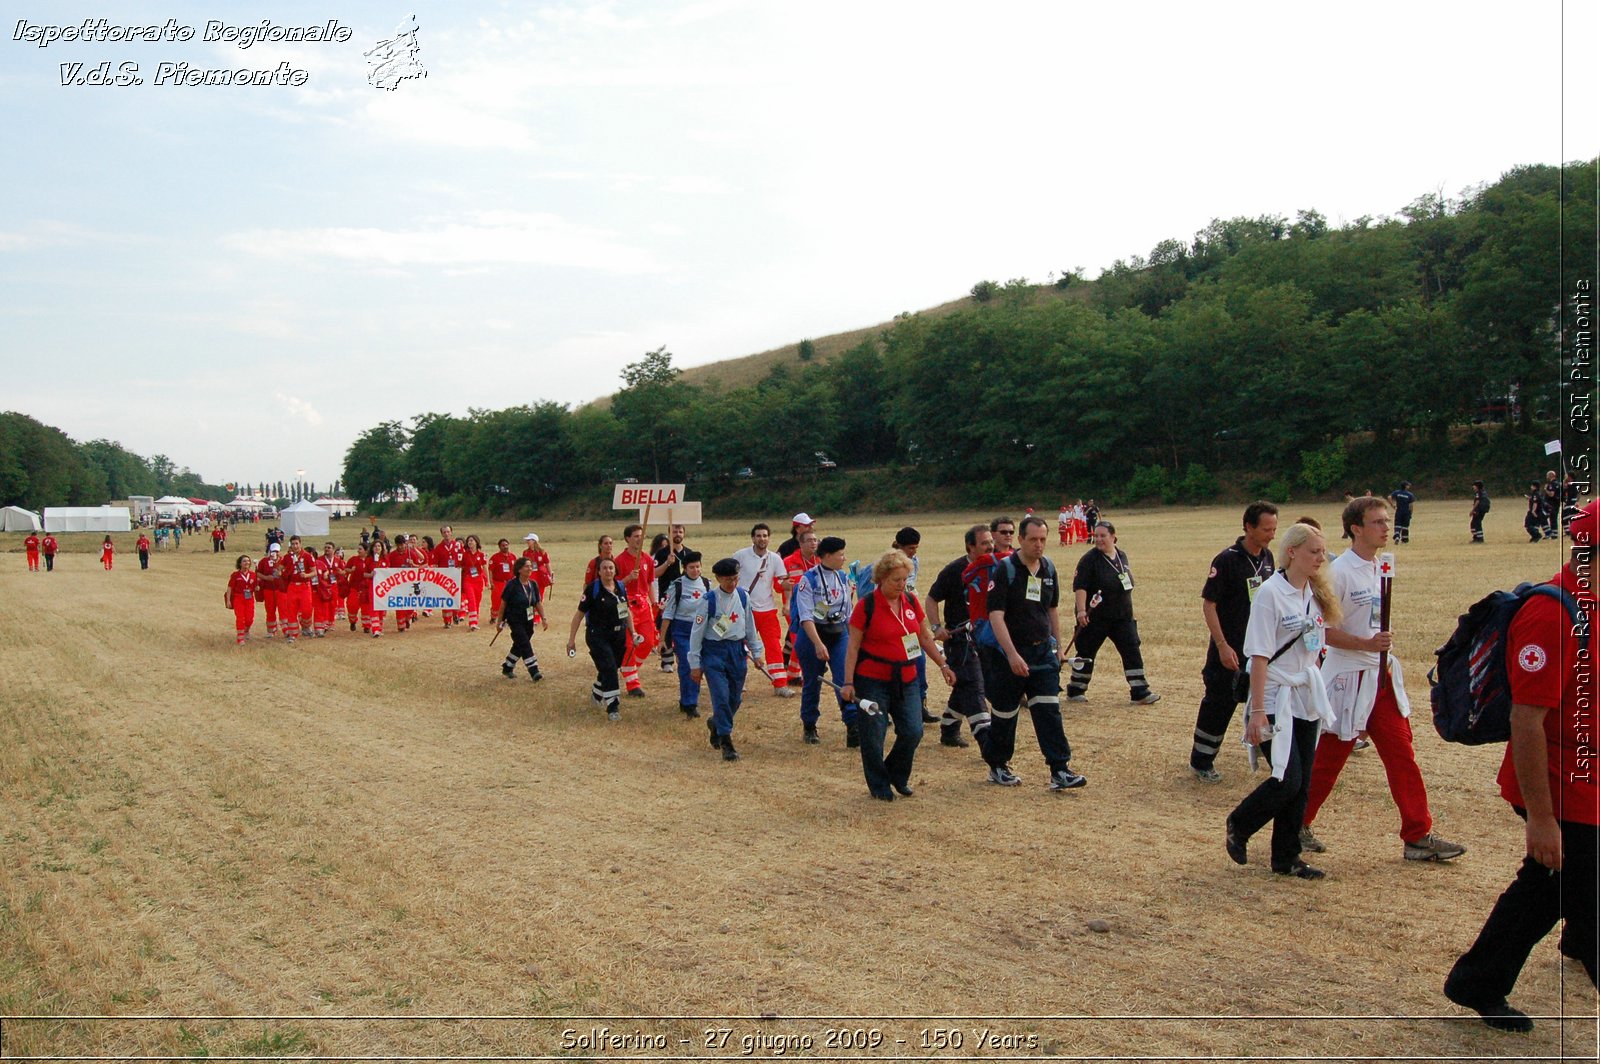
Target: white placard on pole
(685, 513)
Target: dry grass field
(372, 836)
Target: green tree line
(1258, 344)
(42, 466)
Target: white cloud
(482, 238)
(298, 409)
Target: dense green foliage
(1251, 352)
(42, 466)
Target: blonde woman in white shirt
(1288, 700)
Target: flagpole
(1386, 589)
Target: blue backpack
(1470, 690)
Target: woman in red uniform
(31, 544)
(543, 574)
(347, 603)
(325, 590)
(474, 573)
(369, 564)
(502, 566)
(241, 598)
(605, 548)
(108, 551)
(142, 545)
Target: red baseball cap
(1585, 528)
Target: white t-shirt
(1279, 612)
(1357, 585)
(756, 574)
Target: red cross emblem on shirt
(733, 617)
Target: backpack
(1470, 691)
(977, 580)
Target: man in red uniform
(447, 555)
(270, 570)
(1549, 777)
(299, 582)
(49, 546)
(502, 567)
(401, 557)
(325, 591)
(31, 544)
(636, 571)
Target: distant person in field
(240, 597)
(49, 547)
(142, 545)
(447, 555)
(325, 590)
(31, 545)
(1480, 507)
(1288, 700)
(108, 553)
(365, 576)
(636, 571)
(1064, 524)
(502, 569)
(544, 573)
(520, 607)
(1403, 502)
(1236, 575)
(1550, 503)
(269, 574)
(1533, 518)
(1364, 702)
(299, 579)
(474, 574)
(679, 604)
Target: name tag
(1311, 638)
(913, 648)
(821, 612)
(1251, 586)
(1035, 589)
(248, 594)
(723, 625)
(622, 612)
(1126, 580)
(530, 614)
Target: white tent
(16, 519)
(87, 519)
(242, 503)
(304, 519)
(339, 507)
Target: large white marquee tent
(87, 519)
(16, 519)
(304, 519)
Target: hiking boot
(929, 718)
(1310, 843)
(535, 675)
(716, 744)
(1300, 870)
(1002, 776)
(809, 736)
(1433, 848)
(852, 735)
(1149, 698)
(728, 752)
(904, 789)
(1206, 775)
(1064, 779)
(636, 692)
(952, 737)
(507, 671)
(691, 712)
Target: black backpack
(1471, 693)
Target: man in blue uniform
(724, 636)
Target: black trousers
(1526, 912)
(1124, 635)
(1282, 802)
(49, 563)
(1217, 708)
(1476, 525)
(521, 647)
(1006, 690)
(144, 559)
(606, 650)
(966, 697)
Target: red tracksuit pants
(244, 617)
(1391, 736)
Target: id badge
(530, 614)
(821, 612)
(913, 647)
(1251, 586)
(1311, 639)
(1126, 580)
(721, 627)
(622, 611)
(1035, 589)
(248, 594)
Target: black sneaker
(1300, 870)
(852, 736)
(929, 718)
(535, 675)
(809, 737)
(507, 671)
(728, 752)
(1002, 776)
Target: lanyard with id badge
(908, 640)
(1124, 577)
(724, 622)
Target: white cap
(803, 518)
(273, 548)
(531, 537)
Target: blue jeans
(688, 690)
(901, 702)
(723, 662)
(811, 671)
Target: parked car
(824, 463)
(744, 473)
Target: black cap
(690, 557)
(725, 567)
(830, 545)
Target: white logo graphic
(1531, 658)
(394, 60)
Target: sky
(246, 277)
